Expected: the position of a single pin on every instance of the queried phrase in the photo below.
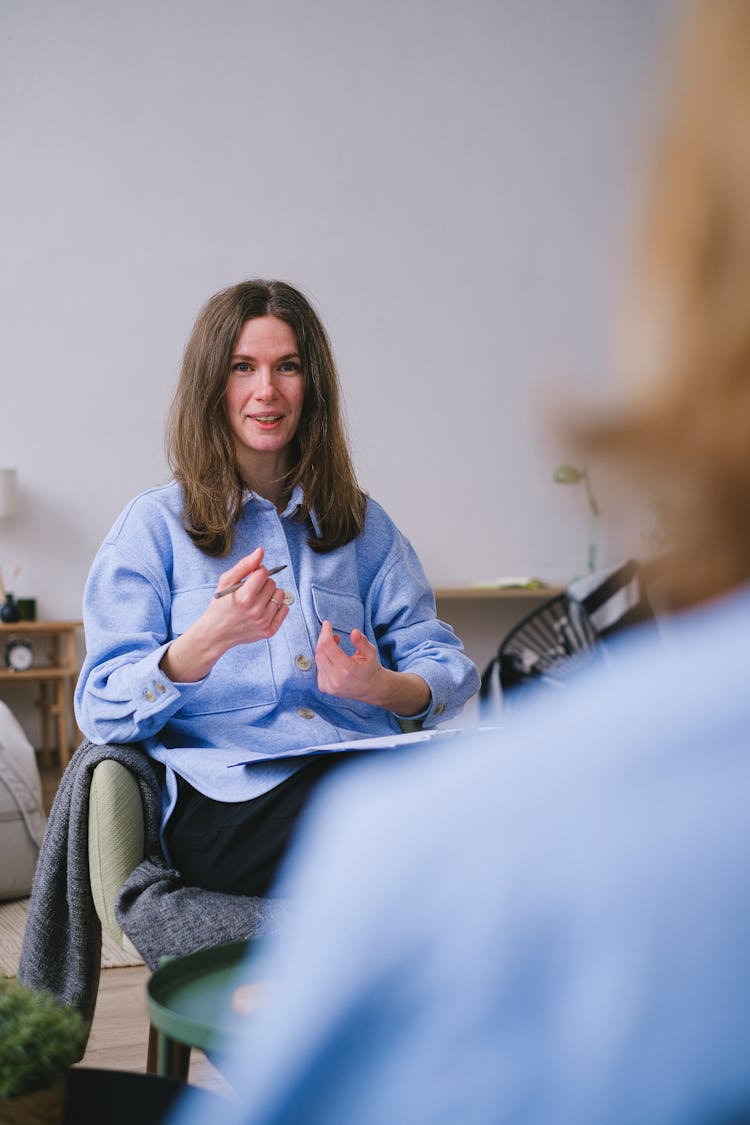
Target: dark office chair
(568, 631)
(545, 646)
(614, 599)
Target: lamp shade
(569, 474)
(8, 492)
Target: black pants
(237, 847)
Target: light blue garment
(149, 582)
(549, 928)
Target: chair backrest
(545, 645)
(615, 598)
(567, 631)
(116, 841)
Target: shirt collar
(296, 501)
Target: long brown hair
(199, 443)
(686, 440)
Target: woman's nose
(265, 386)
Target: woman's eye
(241, 366)
(291, 367)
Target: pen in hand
(236, 585)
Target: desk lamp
(569, 474)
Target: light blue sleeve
(411, 637)
(122, 695)
(549, 927)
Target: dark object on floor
(120, 1097)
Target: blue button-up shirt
(260, 701)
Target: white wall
(446, 181)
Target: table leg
(152, 1057)
(77, 735)
(61, 711)
(45, 716)
(174, 1058)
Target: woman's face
(264, 395)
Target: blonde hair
(687, 439)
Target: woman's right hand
(254, 612)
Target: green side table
(190, 1003)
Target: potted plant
(39, 1040)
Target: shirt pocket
(240, 680)
(344, 611)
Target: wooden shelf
(49, 627)
(38, 672)
(55, 671)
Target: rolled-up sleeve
(122, 694)
(411, 638)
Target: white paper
(381, 742)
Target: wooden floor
(119, 1033)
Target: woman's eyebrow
(279, 359)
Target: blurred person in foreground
(554, 926)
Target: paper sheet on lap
(381, 742)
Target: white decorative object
(8, 492)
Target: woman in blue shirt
(224, 686)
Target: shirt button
(288, 597)
(160, 688)
(304, 663)
(440, 708)
(150, 696)
(306, 713)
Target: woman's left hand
(361, 676)
(349, 677)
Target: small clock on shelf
(19, 655)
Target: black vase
(9, 611)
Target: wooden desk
(493, 593)
(55, 670)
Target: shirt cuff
(152, 690)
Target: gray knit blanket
(61, 949)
